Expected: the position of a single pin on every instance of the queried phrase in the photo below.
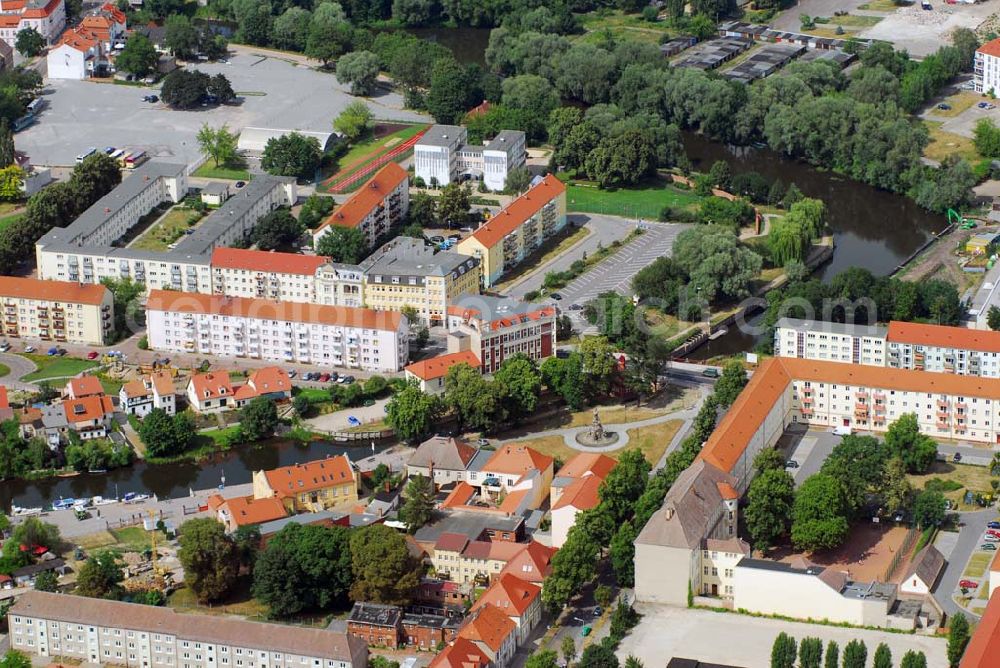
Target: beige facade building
(285, 277)
(310, 487)
(495, 329)
(96, 631)
(405, 272)
(57, 311)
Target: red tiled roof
(490, 627)
(984, 648)
(245, 510)
(55, 291)
(135, 388)
(84, 386)
(586, 463)
(162, 382)
(581, 493)
(270, 379)
(4, 403)
(533, 563)
(726, 491)
(468, 313)
(88, 408)
(459, 496)
(40, 12)
(520, 210)
(262, 261)
(352, 212)
(437, 367)
(510, 594)
(211, 385)
(451, 542)
(991, 48)
(944, 337)
(517, 459)
(460, 654)
(320, 474)
(344, 316)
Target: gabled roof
(270, 379)
(927, 565)
(212, 385)
(460, 654)
(516, 459)
(451, 542)
(320, 474)
(510, 594)
(266, 262)
(984, 648)
(88, 408)
(246, 511)
(581, 494)
(163, 383)
(489, 627)
(135, 389)
(533, 563)
(84, 386)
(519, 211)
(991, 48)
(943, 336)
(442, 452)
(587, 463)
(366, 198)
(437, 367)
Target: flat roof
(466, 523)
(413, 258)
(442, 135)
(832, 327)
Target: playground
(867, 554)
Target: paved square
(275, 93)
(741, 640)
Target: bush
(940, 485)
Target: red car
(92, 355)
(968, 584)
(993, 532)
(323, 377)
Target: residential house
(430, 373)
(271, 383)
(140, 396)
(925, 569)
(517, 468)
(532, 564)
(493, 632)
(54, 425)
(90, 416)
(444, 459)
(310, 487)
(426, 631)
(520, 600)
(215, 193)
(456, 558)
(443, 593)
(210, 392)
(82, 387)
(87, 49)
(241, 511)
(378, 625)
(374, 208)
(461, 654)
(574, 489)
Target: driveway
(19, 366)
(604, 230)
(969, 539)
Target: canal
(173, 480)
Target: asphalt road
(969, 539)
(604, 230)
(19, 366)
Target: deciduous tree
(29, 43)
(819, 515)
(291, 155)
(210, 559)
(139, 56)
(771, 498)
(258, 419)
(359, 69)
(904, 440)
(219, 143)
(384, 571)
(343, 244)
(276, 229)
(355, 121)
(101, 576)
(928, 509)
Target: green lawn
(313, 395)
(4, 370)
(56, 367)
(136, 539)
(167, 230)
(645, 201)
(366, 150)
(631, 27)
(219, 436)
(210, 171)
(10, 219)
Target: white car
(990, 538)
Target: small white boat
(101, 501)
(716, 334)
(19, 511)
(64, 504)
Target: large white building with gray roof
(830, 341)
(443, 155)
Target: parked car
(323, 377)
(994, 525)
(556, 296)
(52, 352)
(710, 372)
(437, 239)
(240, 184)
(92, 355)
(292, 373)
(483, 441)
(968, 584)
(791, 464)
(346, 380)
(991, 539)
(944, 107)
(29, 349)
(562, 353)
(334, 376)
(993, 532)
(989, 547)
(576, 307)
(4, 347)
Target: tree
(568, 648)
(624, 485)
(165, 436)
(993, 318)
(478, 403)
(221, 88)
(181, 37)
(101, 576)
(139, 56)
(544, 658)
(810, 653)
(384, 571)
(448, 94)
(453, 204)
(913, 659)
(598, 655)
(883, 656)
(14, 659)
(622, 160)
(857, 463)
(832, 659)
(896, 489)
(7, 153)
(412, 413)
(904, 440)
(783, 651)
(29, 43)
(565, 377)
(718, 265)
(218, 143)
(327, 42)
(276, 229)
(531, 94)
(184, 89)
(315, 209)
(855, 654)
(521, 383)
(771, 499)
(731, 383)
(928, 509)
(11, 180)
(291, 29)
(355, 121)
(258, 419)
(632, 661)
(304, 567)
(46, 581)
(359, 69)
(343, 244)
(819, 514)
(419, 506)
(210, 558)
(987, 138)
(292, 154)
(518, 181)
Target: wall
(660, 573)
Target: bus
(83, 156)
(23, 122)
(36, 105)
(123, 159)
(118, 155)
(135, 159)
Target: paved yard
(741, 640)
(275, 93)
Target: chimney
(668, 513)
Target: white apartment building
(338, 336)
(285, 277)
(97, 631)
(56, 311)
(48, 17)
(830, 341)
(374, 208)
(442, 156)
(987, 67)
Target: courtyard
(274, 93)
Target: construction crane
(158, 571)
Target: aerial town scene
(500, 333)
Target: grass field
(973, 478)
(56, 367)
(958, 102)
(978, 563)
(210, 171)
(10, 212)
(646, 201)
(880, 6)
(136, 539)
(313, 395)
(943, 144)
(622, 26)
(167, 230)
(4, 370)
(651, 440)
(219, 436)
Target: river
(173, 480)
(872, 228)
(468, 45)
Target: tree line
(810, 654)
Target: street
(969, 538)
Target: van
(843, 431)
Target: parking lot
(274, 93)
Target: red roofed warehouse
(520, 227)
(309, 487)
(374, 207)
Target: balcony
(807, 401)
(806, 410)
(860, 394)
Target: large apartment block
(901, 345)
(285, 277)
(442, 156)
(90, 249)
(374, 208)
(518, 229)
(96, 631)
(495, 329)
(280, 331)
(406, 272)
(987, 67)
(57, 311)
